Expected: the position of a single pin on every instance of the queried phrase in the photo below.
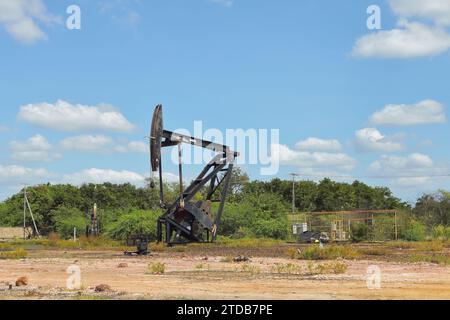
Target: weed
(434, 246)
(157, 268)
(326, 268)
(250, 269)
(158, 247)
(227, 259)
(292, 253)
(200, 266)
(18, 253)
(287, 268)
(373, 251)
(248, 242)
(436, 259)
(328, 253)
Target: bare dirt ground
(205, 275)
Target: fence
(367, 225)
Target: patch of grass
(434, 246)
(327, 253)
(18, 253)
(249, 268)
(326, 268)
(227, 259)
(436, 259)
(6, 247)
(248, 242)
(292, 252)
(179, 249)
(200, 266)
(157, 247)
(373, 251)
(157, 268)
(287, 268)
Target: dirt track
(193, 277)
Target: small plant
(157, 247)
(326, 268)
(339, 267)
(436, 259)
(292, 253)
(288, 268)
(227, 259)
(157, 268)
(328, 253)
(434, 246)
(200, 266)
(250, 268)
(18, 253)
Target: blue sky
(350, 103)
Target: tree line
(253, 208)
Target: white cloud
(102, 144)
(133, 147)
(18, 174)
(424, 112)
(64, 116)
(414, 170)
(99, 176)
(305, 159)
(370, 139)
(35, 149)
(409, 40)
(436, 10)
(21, 19)
(396, 164)
(317, 144)
(88, 143)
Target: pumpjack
(189, 219)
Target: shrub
(359, 232)
(414, 231)
(157, 268)
(441, 233)
(66, 219)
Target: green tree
(66, 219)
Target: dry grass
(18, 253)
(249, 268)
(157, 247)
(227, 259)
(327, 253)
(310, 269)
(434, 246)
(436, 259)
(287, 268)
(373, 251)
(248, 243)
(157, 268)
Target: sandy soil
(184, 279)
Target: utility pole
(293, 191)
